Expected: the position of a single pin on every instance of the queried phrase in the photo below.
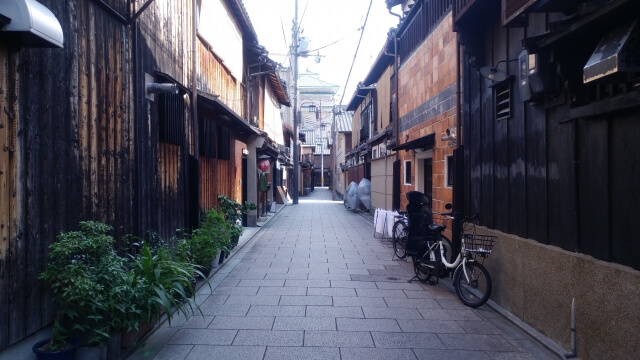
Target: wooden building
(551, 94)
(138, 120)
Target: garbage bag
(364, 193)
(351, 197)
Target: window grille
(171, 118)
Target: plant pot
(130, 339)
(64, 354)
(216, 262)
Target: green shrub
(88, 280)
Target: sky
(333, 28)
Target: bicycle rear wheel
(474, 289)
(399, 234)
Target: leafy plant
(233, 212)
(87, 278)
(168, 284)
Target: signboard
(264, 166)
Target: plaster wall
(538, 286)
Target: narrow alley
(314, 283)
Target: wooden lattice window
(171, 118)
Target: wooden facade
(82, 140)
(563, 163)
(557, 178)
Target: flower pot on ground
(64, 353)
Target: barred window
(171, 118)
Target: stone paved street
(314, 283)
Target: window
(171, 118)
(407, 172)
(449, 171)
(224, 143)
(503, 100)
(208, 141)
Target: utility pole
(296, 116)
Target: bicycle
(471, 279)
(399, 234)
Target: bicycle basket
(479, 244)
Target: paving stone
(349, 324)
(353, 284)
(306, 353)
(349, 271)
(265, 291)
(242, 323)
(225, 309)
(261, 283)
(276, 310)
(288, 276)
(412, 303)
(208, 352)
(476, 342)
(254, 299)
(407, 340)
(397, 285)
(305, 300)
(359, 301)
(376, 354)
(390, 313)
(338, 338)
(430, 326)
(328, 276)
(381, 293)
(198, 322)
(203, 336)
(431, 294)
(478, 327)
(331, 291)
(304, 323)
(307, 283)
(442, 314)
(174, 352)
(380, 278)
(334, 311)
(269, 338)
(435, 354)
(244, 290)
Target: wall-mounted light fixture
(245, 152)
(493, 73)
(450, 137)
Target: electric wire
(356, 52)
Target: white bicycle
(471, 279)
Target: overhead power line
(356, 53)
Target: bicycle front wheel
(474, 288)
(399, 234)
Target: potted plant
(85, 275)
(165, 282)
(233, 214)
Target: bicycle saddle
(437, 227)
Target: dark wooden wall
(80, 142)
(542, 174)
